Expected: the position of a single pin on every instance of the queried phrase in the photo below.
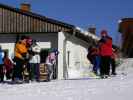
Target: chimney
(92, 29)
(25, 7)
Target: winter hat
(29, 40)
(54, 50)
(104, 32)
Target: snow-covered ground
(115, 88)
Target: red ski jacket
(106, 46)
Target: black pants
(113, 66)
(34, 71)
(1, 73)
(18, 69)
(9, 74)
(105, 65)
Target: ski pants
(113, 66)
(18, 69)
(105, 65)
(96, 64)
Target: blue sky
(104, 14)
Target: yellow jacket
(20, 49)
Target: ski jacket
(93, 52)
(105, 46)
(1, 56)
(36, 57)
(8, 64)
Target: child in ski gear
(54, 54)
(94, 58)
(90, 54)
(8, 66)
(49, 65)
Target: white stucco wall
(77, 56)
(78, 61)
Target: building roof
(35, 15)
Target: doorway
(44, 54)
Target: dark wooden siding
(15, 22)
(126, 28)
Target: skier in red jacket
(105, 47)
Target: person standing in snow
(49, 66)
(8, 66)
(96, 62)
(34, 63)
(105, 49)
(113, 61)
(1, 65)
(54, 54)
(89, 55)
(94, 58)
(21, 51)
(51, 63)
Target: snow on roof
(86, 33)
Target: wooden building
(48, 32)
(126, 29)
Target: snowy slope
(115, 88)
(126, 66)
